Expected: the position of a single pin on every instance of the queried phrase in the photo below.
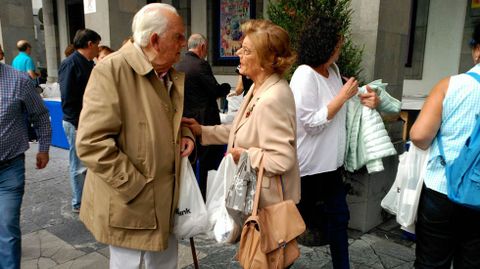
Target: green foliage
(293, 14)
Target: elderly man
(131, 141)
(23, 61)
(18, 96)
(201, 93)
(73, 76)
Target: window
(417, 37)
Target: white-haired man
(131, 141)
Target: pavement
(53, 236)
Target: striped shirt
(18, 99)
(461, 104)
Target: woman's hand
(194, 126)
(349, 89)
(369, 99)
(236, 152)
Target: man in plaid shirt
(18, 99)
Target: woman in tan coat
(265, 124)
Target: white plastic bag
(222, 228)
(416, 164)
(403, 197)
(191, 213)
(392, 199)
(234, 103)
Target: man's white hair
(196, 40)
(148, 20)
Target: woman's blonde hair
(272, 45)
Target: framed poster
(475, 4)
(229, 15)
(475, 8)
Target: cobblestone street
(53, 237)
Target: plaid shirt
(18, 98)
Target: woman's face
(337, 50)
(102, 55)
(249, 64)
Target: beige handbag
(268, 235)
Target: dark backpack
(463, 173)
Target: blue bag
(463, 173)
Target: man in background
(23, 61)
(73, 76)
(18, 97)
(201, 93)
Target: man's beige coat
(265, 125)
(129, 139)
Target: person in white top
(321, 132)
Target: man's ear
(154, 40)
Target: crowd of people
(131, 115)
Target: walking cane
(194, 253)
(192, 243)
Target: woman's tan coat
(129, 138)
(265, 125)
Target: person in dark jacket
(73, 76)
(201, 93)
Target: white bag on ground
(222, 228)
(191, 213)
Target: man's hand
(42, 160)
(194, 126)
(369, 99)
(186, 146)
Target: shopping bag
(416, 165)
(239, 200)
(392, 199)
(222, 227)
(191, 213)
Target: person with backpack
(448, 223)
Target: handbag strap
(256, 199)
(258, 188)
(474, 75)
